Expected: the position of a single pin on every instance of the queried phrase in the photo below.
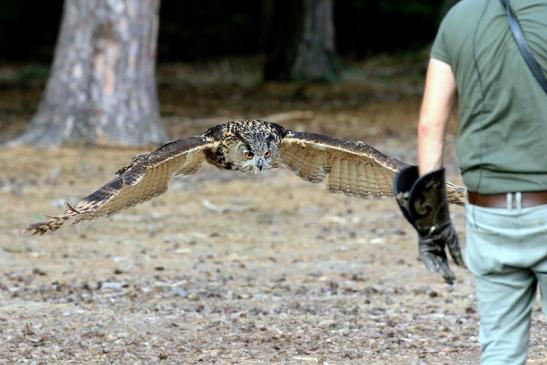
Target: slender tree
(300, 42)
(102, 87)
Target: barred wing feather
(351, 167)
(146, 177)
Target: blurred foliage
(31, 74)
(28, 29)
(369, 27)
(206, 29)
(191, 30)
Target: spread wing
(147, 176)
(350, 167)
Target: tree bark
(300, 45)
(102, 87)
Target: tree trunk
(300, 44)
(102, 87)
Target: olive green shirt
(502, 142)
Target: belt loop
(509, 197)
(474, 220)
(518, 200)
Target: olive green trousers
(507, 253)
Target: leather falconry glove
(424, 204)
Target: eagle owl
(250, 146)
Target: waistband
(508, 200)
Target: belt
(529, 199)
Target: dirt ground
(227, 268)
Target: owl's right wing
(146, 177)
(350, 167)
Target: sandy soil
(226, 268)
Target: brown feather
(351, 167)
(146, 177)
(354, 168)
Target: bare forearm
(430, 145)
(439, 95)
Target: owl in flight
(251, 146)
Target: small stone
(182, 251)
(112, 285)
(180, 292)
(377, 241)
(306, 359)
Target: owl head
(253, 152)
(249, 146)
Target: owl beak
(260, 163)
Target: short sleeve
(439, 50)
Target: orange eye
(249, 155)
(268, 154)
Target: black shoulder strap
(523, 47)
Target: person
(502, 153)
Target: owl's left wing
(351, 167)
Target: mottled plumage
(350, 167)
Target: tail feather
(455, 193)
(53, 224)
